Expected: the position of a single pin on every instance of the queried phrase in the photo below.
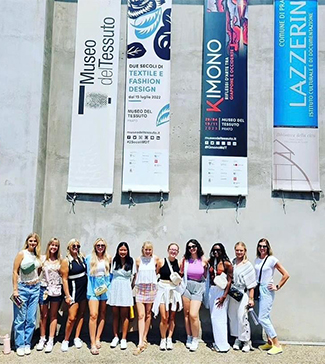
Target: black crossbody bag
(257, 288)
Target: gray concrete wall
(25, 37)
(295, 236)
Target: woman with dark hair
(120, 296)
(265, 264)
(26, 288)
(193, 269)
(220, 277)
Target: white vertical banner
(92, 147)
(147, 113)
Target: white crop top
(28, 259)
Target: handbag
(174, 276)
(53, 290)
(221, 280)
(235, 293)
(100, 290)
(27, 268)
(257, 288)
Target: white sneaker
(195, 344)
(40, 345)
(162, 344)
(65, 345)
(20, 351)
(169, 345)
(124, 344)
(27, 350)
(237, 344)
(77, 343)
(188, 341)
(247, 347)
(49, 346)
(114, 342)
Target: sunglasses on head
(75, 246)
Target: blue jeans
(25, 317)
(265, 305)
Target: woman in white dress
(120, 295)
(244, 281)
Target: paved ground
(291, 355)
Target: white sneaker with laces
(49, 346)
(20, 351)
(195, 344)
(41, 343)
(65, 345)
(237, 344)
(169, 345)
(77, 343)
(247, 347)
(124, 344)
(163, 344)
(27, 350)
(114, 342)
(189, 341)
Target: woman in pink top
(193, 267)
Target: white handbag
(174, 276)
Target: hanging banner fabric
(92, 147)
(224, 99)
(147, 111)
(296, 138)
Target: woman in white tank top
(26, 287)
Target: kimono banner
(296, 139)
(92, 147)
(147, 110)
(224, 99)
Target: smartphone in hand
(17, 300)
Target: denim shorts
(194, 290)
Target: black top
(165, 271)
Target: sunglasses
(100, 245)
(190, 247)
(263, 246)
(75, 246)
(216, 250)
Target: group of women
(162, 286)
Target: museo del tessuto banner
(92, 149)
(296, 138)
(147, 109)
(224, 98)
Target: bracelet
(65, 297)
(277, 287)
(251, 298)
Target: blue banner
(295, 64)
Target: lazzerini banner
(92, 147)
(296, 138)
(147, 112)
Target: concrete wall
(295, 236)
(25, 38)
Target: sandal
(138, 350)
(94, 350)
(145, 344)
(98, 344)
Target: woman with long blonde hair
(146, 289)
(98, 268)
(74, 278)
(50, 293)
(26, 288)
(244, 281)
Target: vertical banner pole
(92, 148)
(296, 137)
(147, 111)
(224, 99)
